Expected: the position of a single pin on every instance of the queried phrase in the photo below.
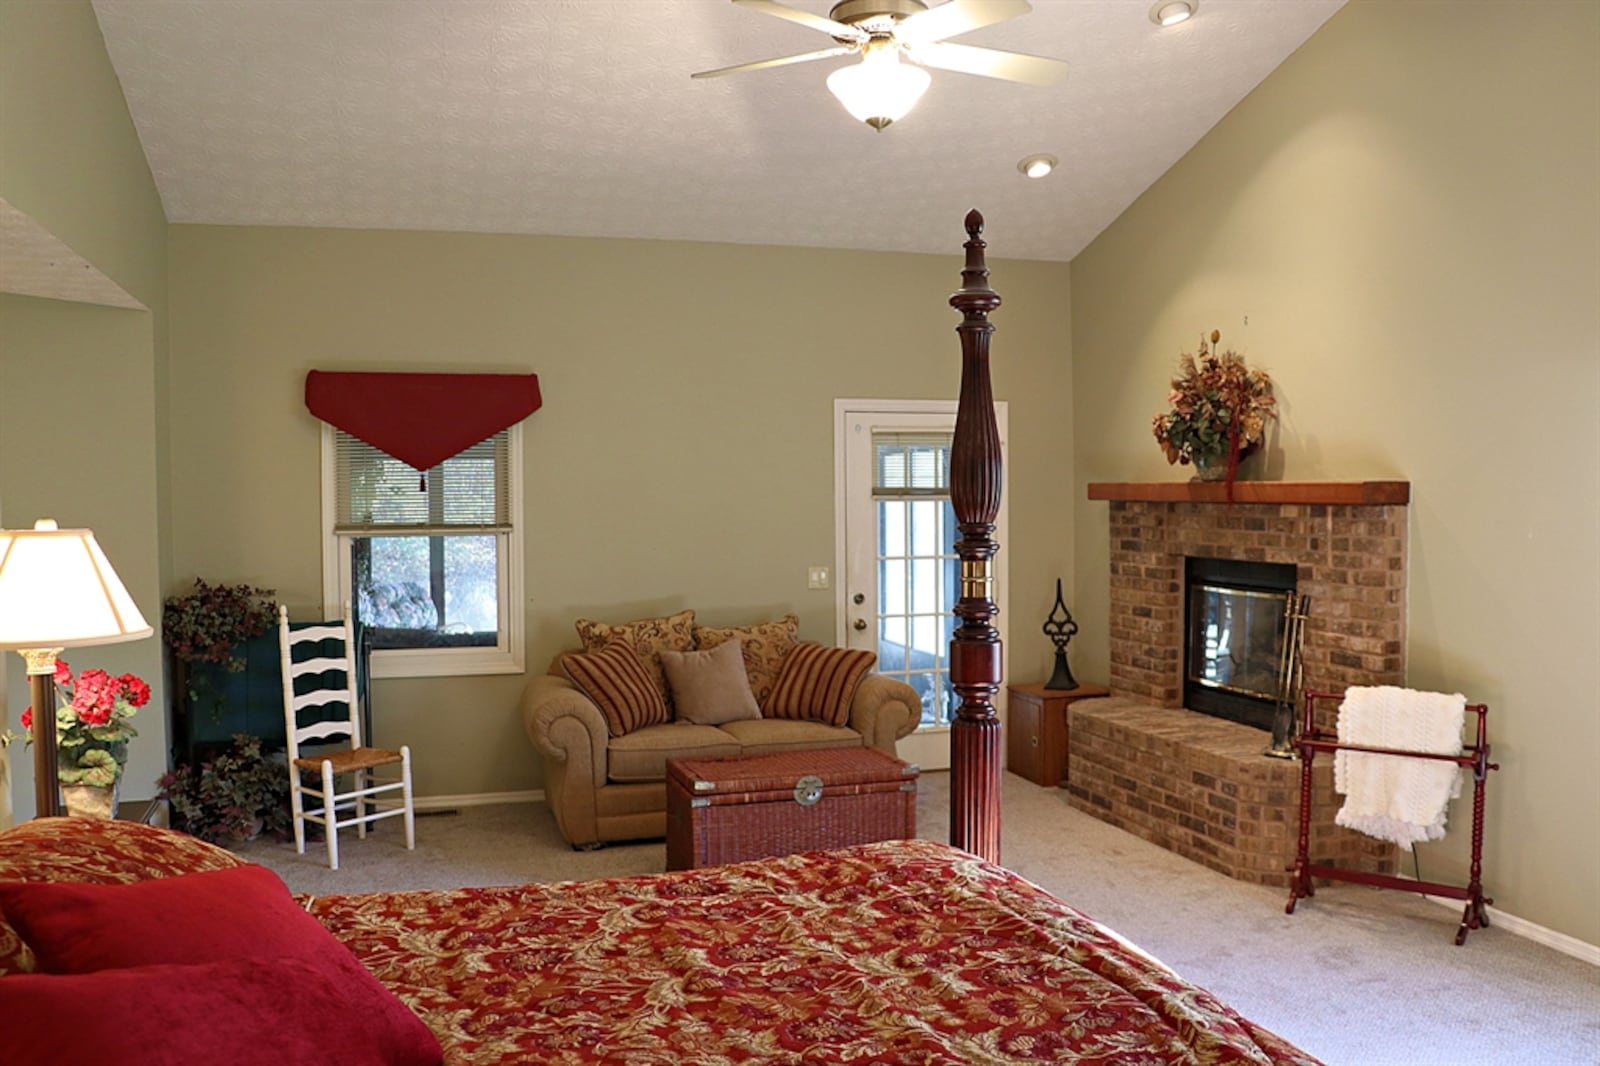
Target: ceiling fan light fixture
(1037, 166)
(1172, 12)
(880, 89)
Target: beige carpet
(1357, 976)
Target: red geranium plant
(92, 727)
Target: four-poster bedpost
(975, 495)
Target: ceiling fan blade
(990, 63)
(957, 16)
(781, 61)
(804, 18)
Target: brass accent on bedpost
(977, 583)
(975, 479)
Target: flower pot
(1210, 468)
(91, 801)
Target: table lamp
(57, 591)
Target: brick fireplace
(1195, 784)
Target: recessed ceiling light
(1037, 166)
(1172, 12)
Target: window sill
(431, 663)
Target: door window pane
(925, 531)
(925, 592)
(892, 527)
(892, 587)
(916, 566)
(891, 645)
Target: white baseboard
(476, 799)
(1539, 934)
(1581, 950)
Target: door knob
(859, 598)
(861, 623)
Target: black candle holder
(1060, 631)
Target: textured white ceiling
(578, 117)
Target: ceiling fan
(882, 88)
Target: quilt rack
(1312, 740)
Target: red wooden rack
(1312, 740)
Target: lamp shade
(57, 590)
(880, 89)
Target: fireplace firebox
(1234, 622)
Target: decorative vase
(91, 801)
(1210, 468)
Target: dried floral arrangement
(212, 621)
(1220, 408)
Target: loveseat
(599, 726)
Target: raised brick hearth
(1198, 785)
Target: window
(917, 565)
(431, 564)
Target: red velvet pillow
(244, 917)
(203, 917)
(242, 1012)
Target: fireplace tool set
(1295, 610)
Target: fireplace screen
(1235, 636)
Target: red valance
(421, 419)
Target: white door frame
(928, 747)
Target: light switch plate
(817, 577)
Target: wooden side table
(1036, 732)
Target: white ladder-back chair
(323, 686)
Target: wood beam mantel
(1354, 493)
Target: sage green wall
(1407, 213)
(78, 405)
(684, 453)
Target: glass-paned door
(896, 555)
(916, 565)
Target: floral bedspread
(903, 952)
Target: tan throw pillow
(818, 683)
(647, 637)
(615, 680)
(710, 687)
(764, 647)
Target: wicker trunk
(731, 810)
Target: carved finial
(975, 299)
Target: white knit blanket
(1391, 797)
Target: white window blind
(908, 465)
(377, 493)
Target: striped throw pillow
(818, 683)
(616, 681)
(648, 637)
